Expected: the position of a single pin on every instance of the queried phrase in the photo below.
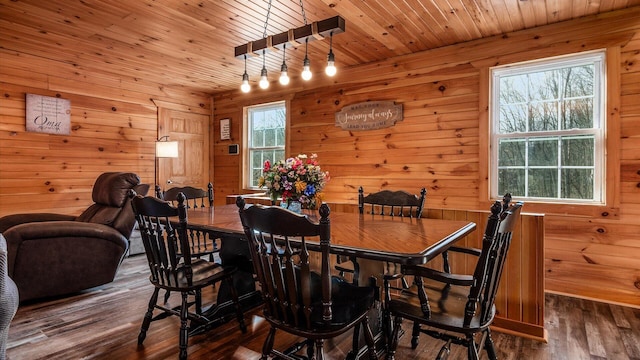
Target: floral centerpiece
(295, 179)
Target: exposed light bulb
(330, 70)
(306, 69)
(284, 77)
(245, 87)
(264, 81)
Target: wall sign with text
(47, 114)
(369, 115)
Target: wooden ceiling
(190, 43)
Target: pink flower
(267, 166)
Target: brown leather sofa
(54, 254)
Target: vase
(295, 206)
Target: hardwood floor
(103, 323)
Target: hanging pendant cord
(266, 21)
(304, 16)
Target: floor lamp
(164, 149)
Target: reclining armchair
(54, 254)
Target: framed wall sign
(369, 115)
(47, 114)
(225, 129)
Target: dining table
(374, 240)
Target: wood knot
(600, 230)
(442, 88)
(113, 108)
(637, 284)
(605, 213)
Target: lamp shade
(167, 149)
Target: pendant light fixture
(264, 81)
(306, 64)
(330, 70)
(245, 87)
(284, 77)
(317, 30)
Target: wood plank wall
(113, 128)
(438, 143)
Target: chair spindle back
(392, 203)
(283, 270)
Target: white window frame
(247, 170)
(598, 58)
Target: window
(265, 134)
(547, 141)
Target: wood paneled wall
(113, 128)
(437, 145)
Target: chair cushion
(112, 188)
(110, 193)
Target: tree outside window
(265, 138)
(548, 137)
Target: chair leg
(415, 335)
(198, 300)
(236, 303)
(310, 349)
(167, 293)
(444, 352)
(148, 316)
(472, 349)
(489, 347)
(355, 342)
(319, 349)
(268, 344)
(368, 337)
(393, 339)
(184, 329)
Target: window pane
(543, 183)
(279, 155)
(543, 152)
(543, 116)
(544, 85)
(511, 181)
(578, 151)
(513, 89)
(270, 137)
(577, 114)
(578, 81)
(257, 138)
(511, 153)
(280, 136)
(255, 177)
(513, 118)
(577, 183)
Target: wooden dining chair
(309, 304)
(457, 308)
(385, 203)
(176, 271)
(201, 243)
